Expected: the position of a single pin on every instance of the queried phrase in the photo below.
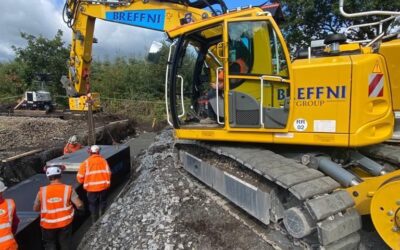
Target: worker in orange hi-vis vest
(8, 221)
(56, 210)
(72, 146)
(95, 175)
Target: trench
(14, 171)
(24, 176)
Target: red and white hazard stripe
(375, 85)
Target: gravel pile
(164, 209)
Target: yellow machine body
(332, 102)
(81, 103)
(345, 100)
(391, 52)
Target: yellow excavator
(299, 142)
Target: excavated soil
(22, 134)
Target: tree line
(131, 78)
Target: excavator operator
(238, 66)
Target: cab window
(254, 48)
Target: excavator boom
(80, 16)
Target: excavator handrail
(166, 82)
(380, 33)
(182, 100)
(366, 13)
(380, 22)
(217, 94)
(379, 37)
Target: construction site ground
(164, 208)
(160, 207)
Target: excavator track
(384, 152)
(277, 190)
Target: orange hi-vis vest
(71, 148)
(94, 173)
(7, 241)
(56, 210)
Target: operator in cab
(72, 146)
(211, 97)
(238, 66)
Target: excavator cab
(235, 72)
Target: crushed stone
(162, 209)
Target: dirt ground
(21, 134)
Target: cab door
(257, 75)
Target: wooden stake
(21, 155)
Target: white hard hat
(2, 186)
(94, 149)
(53, 170)
(73, 139)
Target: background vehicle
(40, 100)
(332, 104)
(37, 99)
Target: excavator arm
(81, 16)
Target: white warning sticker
(325, 126)
(300, 124)
(284, 135)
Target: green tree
(307, 20)
(42, 55)
(11, 82)
(131, 78)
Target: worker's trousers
(97, 201)
(60, 237)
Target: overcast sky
(43, 17)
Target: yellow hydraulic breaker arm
(81, 15)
